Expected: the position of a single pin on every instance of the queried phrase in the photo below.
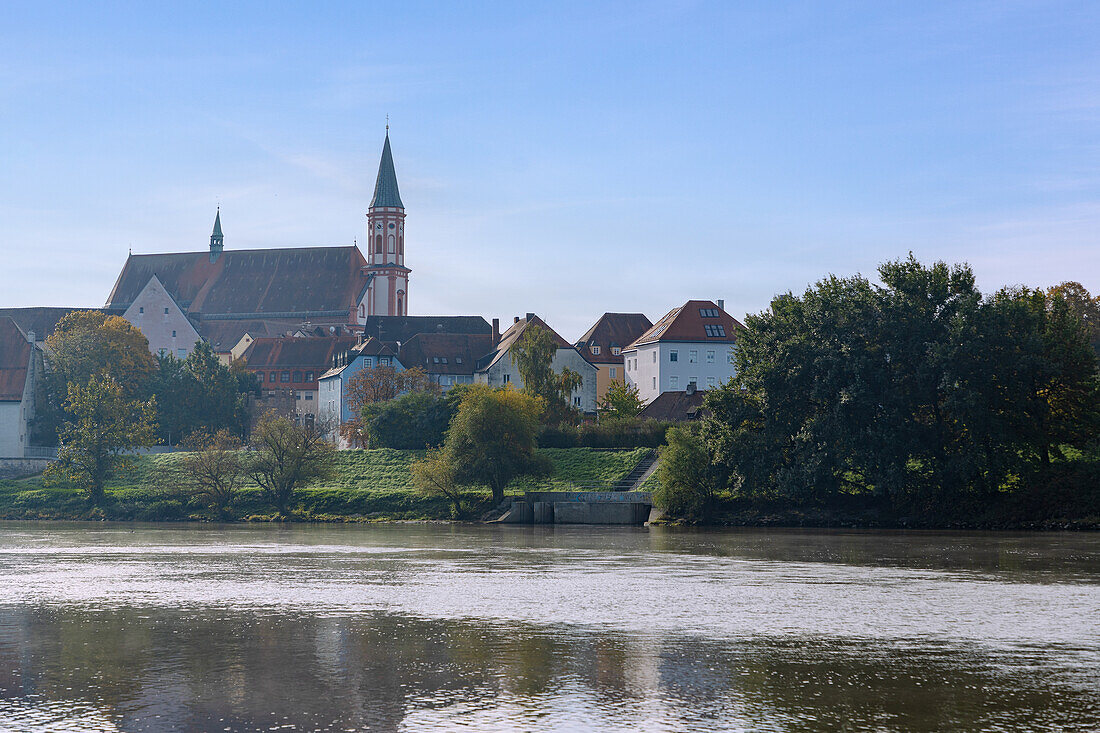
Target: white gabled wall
(158, 316)
(650, 367)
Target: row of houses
(305, 320)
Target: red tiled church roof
(300, 280)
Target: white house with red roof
(692, 345)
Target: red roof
(288, 352)
(612, 330)
(445, 353)
(695, 320)
(15, 357)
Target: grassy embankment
(366, 485)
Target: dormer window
(615, 350)
(708, 312)
(596, 349)
(714, 330)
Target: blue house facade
(334, 408)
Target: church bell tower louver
(388, 278)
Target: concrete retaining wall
(21, 467)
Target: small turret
(216, 239)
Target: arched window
(399, 311)
(391, 244)
(378, 244)
(401, 245)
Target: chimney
(30, 336)
(517, 320)
(496, 332)
(690, 388)
(721, 305)
(530, 317)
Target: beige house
(603, 344)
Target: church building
(230, 294)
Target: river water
(425, 627)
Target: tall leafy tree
(104, 425)
(534, 353)
(284, 456)
(493, 438)
(378, 384)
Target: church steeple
(216, 238)
(385, 186)
(387, 289)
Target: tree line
(919, 391)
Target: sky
(562, 158)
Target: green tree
(86, 344)
(621, 401)
(413, 421)
(492, 438)
(284, 456)
(104, 425)
(374, 385)
(534, 353)
(199, 394)
(688, 483)
(434, 475)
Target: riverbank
(368, 485)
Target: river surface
(424, 627)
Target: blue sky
(570, 159)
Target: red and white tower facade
(387, 291)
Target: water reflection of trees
(213, 670)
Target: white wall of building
(158, 316)
(669, 366)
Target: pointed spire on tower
(385, 187)
(216, 238)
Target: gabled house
(157, 315)
(498, 367)
(334, 408)
(448, 359)
(692, 345)
(288, 368)
(19, 366)
(603, 345)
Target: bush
(688, 485)
(616, 433)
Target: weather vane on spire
(387, 124)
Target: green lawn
(371, 484)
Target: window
(577, 401)
(173, 334)
(730, 357)
(368, 362)
(260, 377)
(274, 377)
(693, 356)
(458, 360)
(435, 359)
(674, 382)
(507, 378)
(674, 356)
(181, 353)
(714, 330)
(615, 350)
(442, 360)
(654, 356)
(613, 372)
(284, 377)
(710, 382)
(141, 309)
(693, 382)
(309, 376)
(297, 395)
(165, 311)
(297, 377)
(595, 349)
(708, 312)
(710, 356)
(655, 383)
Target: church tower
(388, 278)
(216, 239)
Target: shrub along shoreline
(366, 485)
